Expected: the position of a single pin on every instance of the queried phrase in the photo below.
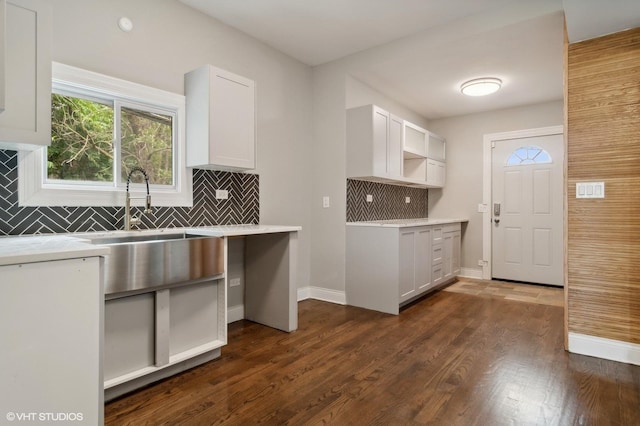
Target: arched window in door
(528, 155)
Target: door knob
(496, 220)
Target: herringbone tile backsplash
(242, 207)
(388, 201)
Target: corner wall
(603, 102)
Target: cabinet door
(455, 253)
(422, 260)
(220, 119)
(394, 147)
(381, 125)
(26, 120)
(407, 281)
(436, 171)
(435, 147)
(415, 139)
(447, 265)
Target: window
(102, 128)
(528, 155)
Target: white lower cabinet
(51, 315)
(150, 335)
(415, 272)
(387, 267)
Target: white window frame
(33, 188)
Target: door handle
(496, 220)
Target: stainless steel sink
(142, 262)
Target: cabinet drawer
(436, 233)
(437, 274)
(452, 227)
(437, 254)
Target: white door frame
(486, 183)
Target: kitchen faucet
(132, 220)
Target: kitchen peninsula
(53, 306)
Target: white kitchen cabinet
(51, 334)
(374, 143)
(221, 128)
(415, 272)
(451, 258)
(156, 334)
(388, 266)
(436, 173)
(436, 147)
(25, 122)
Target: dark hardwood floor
(449, 359)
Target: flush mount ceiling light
(481, 86)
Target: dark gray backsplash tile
(388, 201)
(242, 207)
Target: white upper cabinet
(436, 172)
(436, 147)
(385, 148)
(374, 143)
(221, 129)
(415, 140)
(25, 122)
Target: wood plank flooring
(448, 359)
(545, 295)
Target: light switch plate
(369, 198)
(326, 203)
(234, 282)
(407, 200)
(222, 194)
(590, 190)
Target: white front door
(527, 209)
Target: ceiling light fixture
(481, 86)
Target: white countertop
(43, 248)
(401, 223)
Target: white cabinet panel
(435, 147)
(220, 120)
(129, 333)
(26, 121)
(387, 267)
(436, 172)
(51, 315)
(374, 143)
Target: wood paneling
(603, 114)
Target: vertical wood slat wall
(603, 144)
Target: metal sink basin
(145, 262)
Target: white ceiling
(418, 52)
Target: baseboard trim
(471, 273)
(614, 350)
(324, 294)
(235, 313)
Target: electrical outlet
(234, 282)
(407, 200)
(326, 203)
(369, 198)
(222, 194)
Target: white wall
(463, 189)
(170, 39)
